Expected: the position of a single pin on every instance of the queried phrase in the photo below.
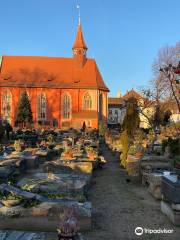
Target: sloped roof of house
(49, 72)
(132, 93)
(115, 101)
(120, 100)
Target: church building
(63, 92)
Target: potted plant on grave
(11, 200)
(18, 145)
(67, 229)
(78, 144)
(91, 153)
(139, 151)
(138, 143)
(68, 152)
(50, 139)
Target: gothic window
(87, 102)
(6, 105)
(88, 123)
(42, 106)
(66, 106)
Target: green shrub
(124, 139)
(174, 145)
(11, 196)
(177, 161)
(102, 128)
(28, 203)
(2, 131)
(24, 112)
(50, 138)
(131, 120)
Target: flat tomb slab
(173, 215)
(44, 217)
(68, 166)
(55, 183)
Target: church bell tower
(79, 48)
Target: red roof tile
(132, 93)
(79, 42)
(51, 72)
(115, 101)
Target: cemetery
(47, 180)
(44, 176)
(156, 168)
(90, 139)
(54, 182)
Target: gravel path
(120, 206)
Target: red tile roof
(132, 93)
(51, 72)
(121, 100)
(79, 42)
(115, 101)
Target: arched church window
(87, 102)
(6, 108)
(66, 106)
(42, 106)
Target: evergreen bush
(125, 147)
(102, 128)
(130, 126)
(24, 113)
(173, 144)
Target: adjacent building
(117, 109)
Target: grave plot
(49, 178)
(150, 163)
(57, 186)
(78, 166)
(170, 205)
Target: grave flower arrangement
(10, 199)
(91, 153)
(18, 145)
(68, 153)
(67, 229)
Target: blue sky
(123, 36)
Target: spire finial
(79, 15)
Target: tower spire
(79, 15)
(79, 42)
(79, 47)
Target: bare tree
(162, 89)
(164, 69)
(150, 106)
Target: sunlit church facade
(63, 92)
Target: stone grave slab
(69, 185)
(173, 215)
(44, 217)
(19, 192)
(68, 166)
